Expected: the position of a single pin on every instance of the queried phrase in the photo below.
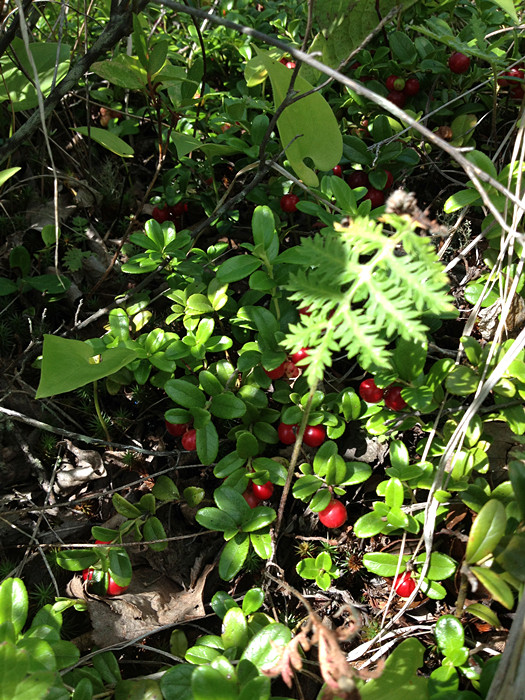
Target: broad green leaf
(76, 559)
(69, 364)
(13, 603)
(495, 585)
(124, 71)
(175, 684)
(449, 633)
(7, 287)
(120, 566)
(517, 478)
(237, 268)
(184, 393)
(441, 566)
(124, 507)
(483, 162)
(462, 381)
(234, 629)
(107, 665)
(207, 443)
(307, 128)
(509, 7)
(461, 199)
(228, 406)
(257, 518)
(232, 502)
(262, 544)
(207, 682)
(108, 139)
(266, 648)
(512, 559)
(399, 679)
(233, 556)
(247, 445)
(369, 525)
(14, 664)
(165, 489)
(215, 519)
(409, 358)
(486, 531)
(154, 530)
(252, 600)
(382, 563)
(398, 454)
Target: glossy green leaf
(449, 633)
(257, 518)
(369, 525)
(462, 381)
(234, 629)
(207, 682)
(107, 665)
(517, 478)
(165, 489)
(400, 679)
(215, 519)
(184, 393)
(13, 603)
(175, 684)
(486, 531)
(7, 173)
(233, 556)
(120, 566)
(124, 507)
(483, 612)
(76, 559)
(398, 454)
(351, 404)
(232, 502)
(308, 128)
(266, 647)
(441, 566)
(512, 559)
(154, 530)
(262, 544)
(247, 445)
(460, 199)
(237, 268)
(382, 563)
(409, 358)
(227, 406)
(207, 443)
(252, 600)
(193, 495)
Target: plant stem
(99, 412)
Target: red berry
(393, 398)
(250, 498)
(391, 82)
(276, 373)
(161, 215)
(176, 429)
(375, 196)
(458, 62)
(291, 370)
(189, 440)
(337, 171)
(179, 209)
(101, 542)
(334, 515)
(411, 87)
(516, 92)
(515, 74)
(358, 179)
(264, 492)
(287, 433)
(404, 585)
(397, 98)
(369, 392)
(114, 588)
(314, 435)
(87, 574)
(299, 355)
(289, 203)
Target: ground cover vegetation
(262, 348)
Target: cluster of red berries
(105, 587)
(314, 435)
(287, 62)
(371, 393)
(510, 79)
(400, 89)
(360, 179)
(289, 367)
(187, 434)
(255, 493)
(169, 213)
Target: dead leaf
(151, 601)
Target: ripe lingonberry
(314, 435)
(250, 498)
(289, 202)
(458, 62)
(394, 82)
(375, 196)
(299, 355)
(358, 179)
(189, 440)
(334, 515)
(176, 429)
(389, 180)
(397, 98)
(263, 492)
(291, 370)
(411, 87)
(114, 588)
(161, 215)
(369, 392)
(393, 398)
(404, 585)
(276, 373)
(337, 171)
(287, 433)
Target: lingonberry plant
(274, 279)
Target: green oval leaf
(487, 530)
(495, 585)
(184, 393)
(233, 556)
(227, 406)
(266, 648)
(237, 268)
(107, 139)
(154, 530)
(13, 603)
(207, 443)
